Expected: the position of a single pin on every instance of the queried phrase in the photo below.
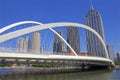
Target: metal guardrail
(14, 50)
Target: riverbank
(33, 70)
(117, 67)
(38, 70)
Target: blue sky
(47, 11)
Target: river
(90, 75)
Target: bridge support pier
(95, 67)
(83, 67)
(109, 67)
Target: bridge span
(21, 57)
(33, 57)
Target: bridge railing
(14, 50)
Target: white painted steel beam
(7, 55)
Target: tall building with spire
(58, 45)
(94, 45)
(73, 39)
(36, 42)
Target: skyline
(9, 13)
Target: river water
(90, 75)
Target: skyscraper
(110, 52)
(20, 45)
(36, 42)
(118, 57)
(58, 45)
(26, 44)
(94, 45)
(23, 44)
(73, 39)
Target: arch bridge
(12, 56)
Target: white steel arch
(38, 23)
(17, 24)
(50, 25)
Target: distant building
(42, 49)
(111, 52)
(94, 46)
(22, 44)
(73, 39)
(82, 54)
(26, 44)
(36, 42)
(58, 45)
(118, 57)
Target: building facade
(23, 44)
(111, 52)
(94, 45)
(26, 44)
(36, 42)
(118, 57)
(73, 39)
(58, 45)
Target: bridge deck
(40, 56)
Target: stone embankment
(32, 70)
(117, 67)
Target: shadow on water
(90, 75)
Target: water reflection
(92, 75)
